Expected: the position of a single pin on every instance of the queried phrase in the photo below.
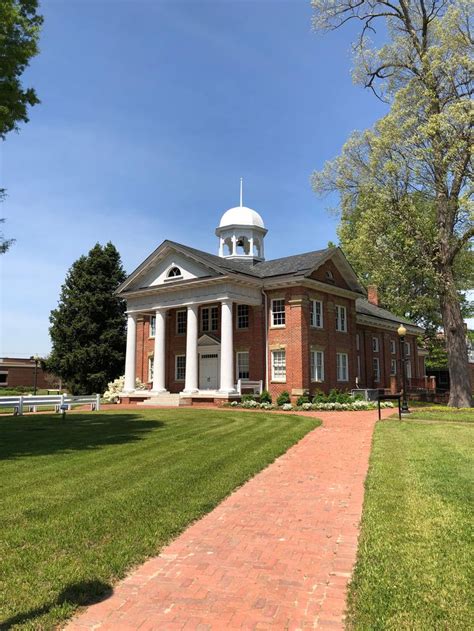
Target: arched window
(174, 271)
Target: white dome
(241, 216)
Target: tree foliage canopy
(19, 33)
(409, 178)
(88, 326)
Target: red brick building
(18, 372)
(200, 325)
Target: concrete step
(165, 400)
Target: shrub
(283, 398)
(307, 406)
(265, 397)
(287, 407)
(248, 397)
(319, 397)
(301, 400)
(250, 403)
(114, 388)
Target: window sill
(318, 328)
(317, 380)
(278, 326)
(278, 381)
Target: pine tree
(88, 327)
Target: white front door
(208, 371)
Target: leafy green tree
(19, 33)
(88, 327)
(420, 154)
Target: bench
(246, 384)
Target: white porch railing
(31, 403)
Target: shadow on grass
(44, 434)
(77, 594)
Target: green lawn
(442, 413)
(414, 569)
(86, 498)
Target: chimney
(373, 295)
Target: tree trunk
(460, 395)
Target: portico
(209, 358)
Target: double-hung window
(408, 365)
(278, 312)
(393, 347)
(243, 366)
(180, 367)
(242, 316)
(407, 349)
(316, 314)
(342, 369)
(278, 365)
(152, 326)
(376, 369)
(341, 319)
(209, 319)
(393, 367)
(317, 366)
(151, 362)
(375, 344)
(181, 317)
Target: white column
(191, 378)
(130, 353)
(227, 348)
(159, 356)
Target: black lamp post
(36, 358)
(401, 334)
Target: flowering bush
(115, 387)
(287, 407)
(250, 403)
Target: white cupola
(241, 232)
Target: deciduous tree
(88, 326)
(422, 149)
(19, 33)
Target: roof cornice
(382, 323)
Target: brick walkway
(276, 554)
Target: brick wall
(297, 338)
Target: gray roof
(289, 265)
(365, 307)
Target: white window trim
(169, 278)
(242, 328)
(375, 344)
(315, 364)
(278, 379)
(176, 367)
(339, 307)
(209, 308)
(376, 361)
(150, 336)
(277, 326)
(393, 362)
(408, 370)
(186, 322)
(407, 349)
(347, 368)
(237, 364)
(393, 347)
(151, 360)
(313, 314)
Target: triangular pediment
(208, 340)
(167, 265)
(335, 269)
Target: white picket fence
(30, 403)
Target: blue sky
(150, 114)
